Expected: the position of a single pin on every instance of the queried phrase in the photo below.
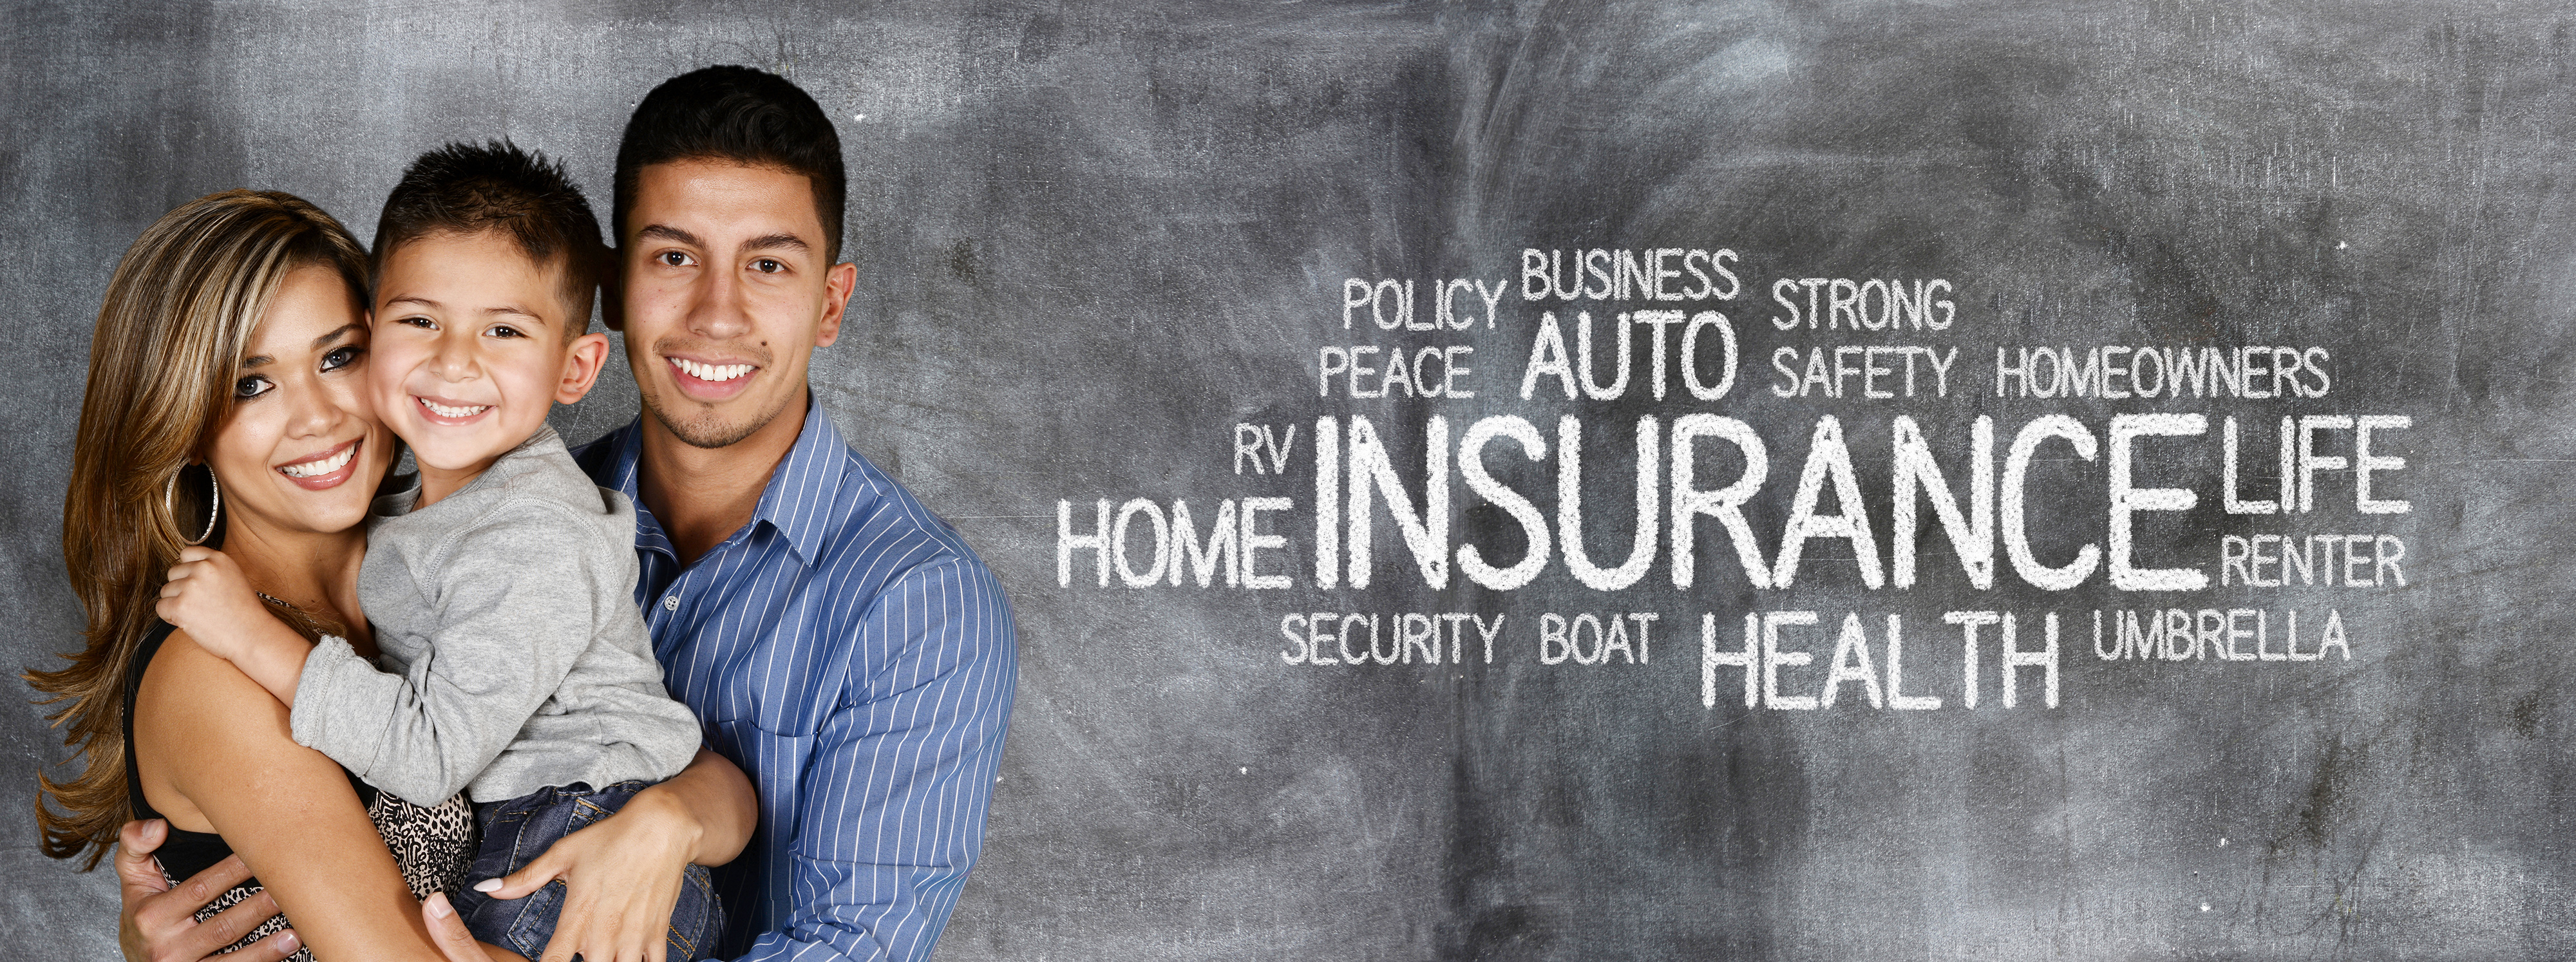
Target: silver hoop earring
(214, 510)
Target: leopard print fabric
(433, 846)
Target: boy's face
(727, 292)
(469, 348)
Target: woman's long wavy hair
(179, 314)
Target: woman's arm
(215, 755)
(622, 874)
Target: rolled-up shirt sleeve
(890, 812)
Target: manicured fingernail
(438, 906)
(287, 941)
(488, 885)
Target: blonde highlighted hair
(178, 315)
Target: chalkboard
(1156, 299)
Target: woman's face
(302, 451)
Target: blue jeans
(515, 832)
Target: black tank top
(433, 845)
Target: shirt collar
(800, 501)
(803, 499)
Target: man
(838, 642)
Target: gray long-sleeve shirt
(511, 656)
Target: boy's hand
(208, 598)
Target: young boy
(514, 664)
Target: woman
(224, 408)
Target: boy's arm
(208, 598)
(890, 812)
(516, 602)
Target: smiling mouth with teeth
(315, 469)
(448, 412)
(711, 372)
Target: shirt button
(670, 602)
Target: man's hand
(159, 922)
(621, 877)
(208, 598)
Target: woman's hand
(454, 941)
(622, 874)
(159, 921)
(621, 878)
(208, 598)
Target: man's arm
(891, 810)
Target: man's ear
(612, 291)
(582, 361)
(837, 284)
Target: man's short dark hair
(466, 189)
(739, 114)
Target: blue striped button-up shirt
(857, 660)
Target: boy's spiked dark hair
(739, 114)
(464, 188)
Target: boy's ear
(582, 361)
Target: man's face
(727, 291)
